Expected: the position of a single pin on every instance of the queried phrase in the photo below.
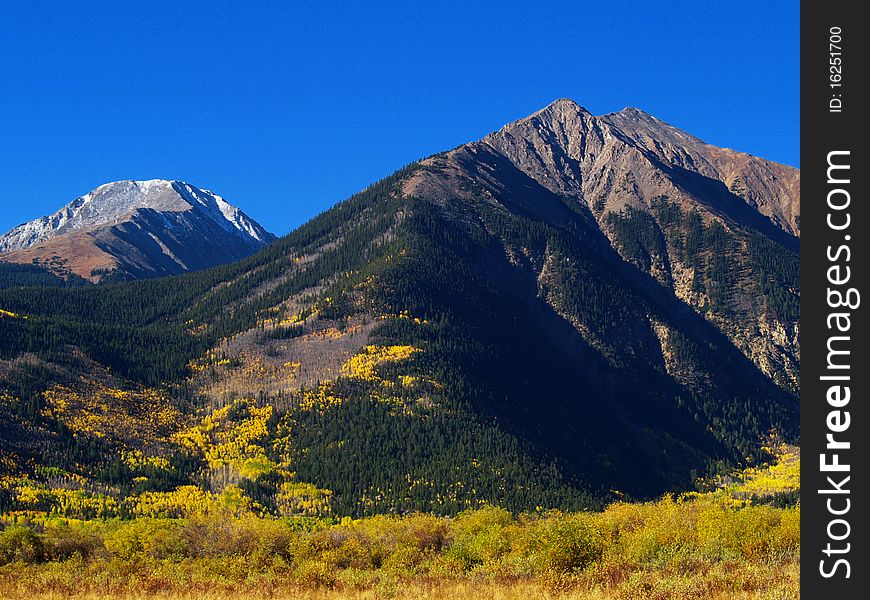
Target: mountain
(573, 309)
(134, 229)
(644, 183)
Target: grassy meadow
(739, 540)
(692, 549)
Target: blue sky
(285, 108)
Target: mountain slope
(535, 319)
(652, 190)
(135, 229)
(770, 188)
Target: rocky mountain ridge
(629, 163)
(136, 229)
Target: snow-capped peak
(115, 202)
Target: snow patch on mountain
(115, 202)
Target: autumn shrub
(402, 544)
(753, 532)
(147, 538)
(218, 535)
(272, 537)
(694, 548)
(566, 543)
(62, 541)
(320, 547)
(357, 579)
(423, 531)
(479, 537)
(355, 552)
(654, 532)
(20, 544)
(787, 540)
(315, 572)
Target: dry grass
(444, 590)
(729, 580)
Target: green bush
(567, 543)
(480, 537)
(146, 537)
(315, 573)
(62, 542)
(18, 543)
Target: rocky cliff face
(715, 226)
(133, 229)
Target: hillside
(572, 309)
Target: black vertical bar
(835, 225)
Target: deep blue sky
(285, 108)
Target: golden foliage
(667, 550)
(318, 399)
(302, 499)
(183, 501)
(34, 497)
(138, 460)
(406, 315)
(235, 435)
(95, 409)
(779, 476)
(364, 365)
(211, 359)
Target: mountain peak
(637, 113)
(561, 109)
(140, 184)
(575, 153)
(566, 104)
(563, 118)
(174, 217)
